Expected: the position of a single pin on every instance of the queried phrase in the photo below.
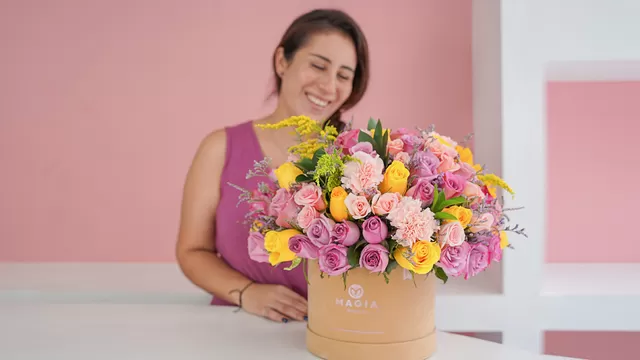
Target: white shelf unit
(516, 43)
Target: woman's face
(319, 79)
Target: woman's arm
(195, 250)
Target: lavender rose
(345, 233)
(374, 230)
(303, 247)
(495, 250)
(424, 164)
(374, 257)
(365, 147)
(319, 231)
(478, 260)
(454, 259)
(332, 259)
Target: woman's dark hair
(321, 20)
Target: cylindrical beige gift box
(371, 319)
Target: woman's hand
(274, 302)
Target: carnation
(412, 223)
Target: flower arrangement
(376, 199)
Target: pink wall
(592, 145)
(103, 105)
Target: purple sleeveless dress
(231, 233)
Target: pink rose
(451, 234)
(403, 157)
(375, 258)
(466, 171)
(478, 260)
(382, 204)
(310, 194)
(422, 190)
(284, 207)
(365, 147)
(495, 251)
(395, 146)
(255, 244)
(358, 206)
(374, 230)
(412, 143)
(306, 216)
(453, 185)
(448, 163)
(473, 191)
(332, 259)
(397, 133)
(481, 222)
(303, 247)
(319, 231)
(345, 233)
(347, 139)
(454, 259)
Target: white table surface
(184, 332)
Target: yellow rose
(462, 213)
(395, 178)
(287, 174)
(504, 241)
(337, 207)
(277, 244)
(420, 258)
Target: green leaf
(294, 264)
(371, 124)
(306, 164)
(385, 140)
(453, 201)
(364, 137)
(317, 155)
(440, 274)
(353, 255)
(360, 244)
(386, 278)
(344, 279)
(445, 216)
(305, 270)
(303, 178)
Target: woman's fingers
(274, 315)
(293, 299)
(286, 308)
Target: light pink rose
(451, 234)
(397, 133)
(478, 260)
(363, 173)
(365, 147)
(466, 171)
(403, 157)
(374, 230)
(345, 233)
(357, 205)
(448, 163)
(310, 194)
(256, 248)
(473, 191)
(422, 190)
(284, 207)
(481, 222)
(302, 246)
(306, 216)
(453, 260)
(319, 231)
(382, 204)
(347, 139)
(395, 146)
(374, 257)
(332, 259)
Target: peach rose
(358, 206)
(382, 204)
(306, 216)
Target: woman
(321, 68)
